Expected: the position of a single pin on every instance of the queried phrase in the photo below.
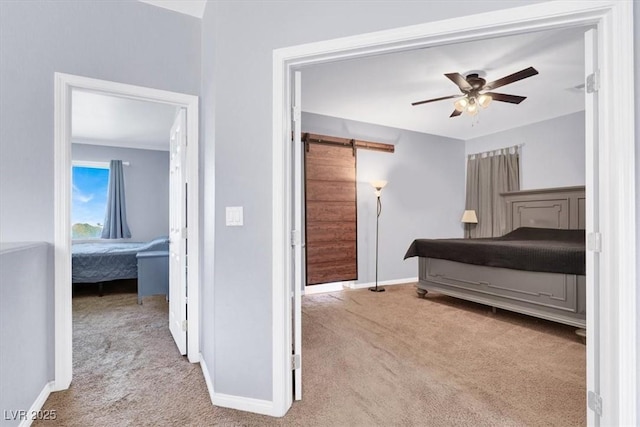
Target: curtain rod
(94, 164)
(346, 142)
(491, 152)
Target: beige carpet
(369, 360)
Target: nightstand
(153, 273)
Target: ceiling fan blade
(460, 81)
(435, 99)
(513, 99)
(455, 113)
(522, 74)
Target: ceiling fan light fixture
(484, 100)
(472, 108)
(473, 84)
(461, 104)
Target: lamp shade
(461, 104)
(484, 100)
(469, 217)
(378, 184)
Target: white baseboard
(385, 283)
(207, 377)
(258, 406)
(263, 407)
(38, 404)
(326, 287)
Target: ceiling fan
(472, 86)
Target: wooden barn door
(331, 231)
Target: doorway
(612, 361)
(64, 85)
(330, 214)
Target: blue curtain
(115, 220)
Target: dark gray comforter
(526, 248)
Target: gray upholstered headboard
(562, 207)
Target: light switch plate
(234, 216)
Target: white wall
(553, 154)
(424, 197)
(146, 186)
(239, 66)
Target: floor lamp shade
(378, 185)
(469, 217)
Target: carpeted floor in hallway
(370, 359)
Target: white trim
(62, 235)
(282, 387)
(341, 286)
(92, 164)
(136, 145)
(258, 406)
(326, 287)
(392, 282)
(591, 223)
(617, 303)
(37, 404)
(193, 220)
(207, 377)
(63, 85)
(618, 290)
(264, 407)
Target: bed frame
(552, 296)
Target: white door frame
(617, 297)
(64, 84)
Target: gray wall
(636, 60)
(553, 154)
(124, 41)
(244, 36)
(424, 196)
(146, 186)
(26, 316)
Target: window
(90, 185)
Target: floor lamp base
(377, 289)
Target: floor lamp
(469, 217)
(378, 185)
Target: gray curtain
(488, 175)
(115, 220)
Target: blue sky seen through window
(89, 201)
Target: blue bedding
(103, 261)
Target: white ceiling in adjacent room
(380, 89)
(100, 119)
(188, 7)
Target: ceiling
(188, 7)
(99, 119)
(380, 89)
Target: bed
(537, 268)
(106, 261)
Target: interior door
(178, 233)
(331, 218)
(592, 227)
(297, 239)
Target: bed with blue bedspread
(106, 261)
